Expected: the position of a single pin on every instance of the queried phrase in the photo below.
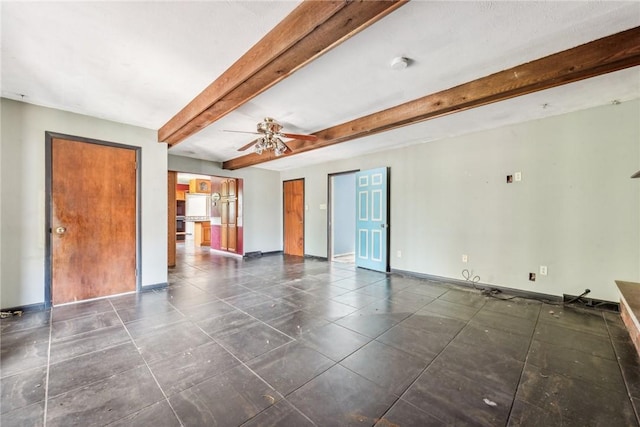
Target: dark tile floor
(280, 341)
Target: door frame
(330, 210)
(304, 214)
(48, 176)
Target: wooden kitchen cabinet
(202, 234)
(202, 186)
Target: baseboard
(153, 286)
(467, 284)
(344, 254)
(319, 258)
(260, 254)
(26, 308)
(586, 301)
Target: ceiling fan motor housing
(269, 126)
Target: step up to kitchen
(630, 309)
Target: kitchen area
(209, 212)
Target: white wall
(262, 204)
(575, 211)
(22, 196)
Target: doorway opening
(205, 213)
(342, 217)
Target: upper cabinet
(200, 186)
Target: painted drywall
(344, 214)
(22, 186)
(262, 204)
(576, 210)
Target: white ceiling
(141, 62)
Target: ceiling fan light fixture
(260, 146)
(280, 148)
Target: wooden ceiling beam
(312, 29)
(605, 55)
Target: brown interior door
(172, 180)
(228, 216)
(294, 217)
(93, 219)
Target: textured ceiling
(141, 62)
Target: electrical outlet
(399, 254)
(465, 258)
(517, 177)
(543, 270)
(532, 277)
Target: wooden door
(228, 216)
(172, 200)
(372, 227)
(294, 217)
(93, 220)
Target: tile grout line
(46, 380)
(148, 368)
(526, 359)
(429, 364)
(242, 363)
(626, 385)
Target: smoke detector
(399, 63)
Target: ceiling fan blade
(249, 145)
(241, 131)
(301, 137)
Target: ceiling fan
(271, 132)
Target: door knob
(60, 230)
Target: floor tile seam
(298, 310)
(110, 423)
(283, 399)
(366, 336)
(328, 356)
(492, 310)
(622, 371)
(386, 389)
(46, 381)
(81, 316)
(110, 346)
(22, 340)
(478, 308)
(94, 382)
(524, 365)
(611, 388)
(568, 347)
(261, 321)
(65, 337)
(241, 363)
(380, 385)
(604, 334)
(146, 364)
(76, 356)
(615, 359)
(3, 333)
(502, 329)
(21, 371)
(415, 407)
(436, 357)
(266, 353)
(332, 364)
